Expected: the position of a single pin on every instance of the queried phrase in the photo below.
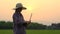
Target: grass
(32, 31)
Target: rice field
(32, 31)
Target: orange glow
(43, 10)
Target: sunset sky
(44, 11)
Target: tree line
(9, 25)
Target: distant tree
(33, 25)
(5, 25)
(36, 26)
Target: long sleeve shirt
(18, 22)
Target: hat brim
(23, 8)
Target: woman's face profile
(19, 9)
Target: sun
(29, 8)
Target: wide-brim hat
(19, 5)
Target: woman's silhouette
(19, 24)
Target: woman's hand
(28, 22)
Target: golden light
(29, 8)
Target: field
(33, 31)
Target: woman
(18, 21)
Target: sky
(43, 11)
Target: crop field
(32, 31)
